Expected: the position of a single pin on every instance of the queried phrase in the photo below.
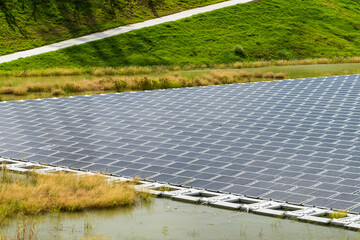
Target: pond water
(294, 71)
(168, 219)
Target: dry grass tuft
(38, 193)
(258, 75)
(38, 87)
(280, 76)
(57, 92)
(244, 74)
(46, 72)
(269, 75)
(131, 70)
(20, 91)
(6, 90)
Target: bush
(239, 51)
(164, 83)
(71, 88)
(120, 85)
(146, 84)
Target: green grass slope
(260, 30)
(26, 24)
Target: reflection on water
(295, 71)
(303, 71)
(167, 219)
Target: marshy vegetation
(135, 83)
(33, 194)
(167, 219)
(45, 83)
(137, 70)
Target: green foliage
(71, 88)
(267, 30)
(239, 51)
(26, 24)
(338, 214)
(120, 85)
(5, 178)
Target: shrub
(146, 84)
(71, 88)
(120, 85)
(164, 83)
(239, 51)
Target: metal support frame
(215, 199)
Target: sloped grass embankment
(261, 30)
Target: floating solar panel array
(295, 141)
(221, 200)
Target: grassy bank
(258, 31)
(136, 70)
(61, 82)
(37, 193)
(26, 24)
(109, 84)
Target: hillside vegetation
(259, 30)
(26, 24)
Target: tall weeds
(138, 83)
(33, 193)
(137, 70)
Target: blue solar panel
(293, 140)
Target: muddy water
(167, 219)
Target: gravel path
(117, 31)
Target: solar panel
(293, 140)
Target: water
(167, 219)
(294, 71)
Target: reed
(39, 193)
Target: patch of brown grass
(20, 91)
(244, 74)
(57, 92)
(6, 90)
(257, 75)
(38, 193)
(39, 87)
(269, 75)
(46, 72)
(131, 70)
(280, 75)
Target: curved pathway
(117, 31)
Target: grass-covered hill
(260, 30)
(26, 24)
